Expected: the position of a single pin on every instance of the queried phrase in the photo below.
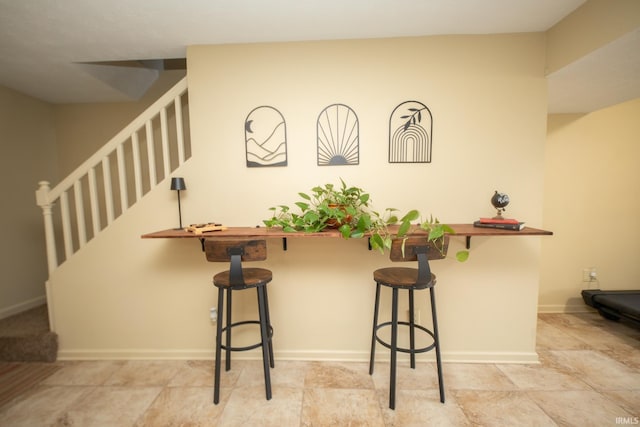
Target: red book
(499, 221)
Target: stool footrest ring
(227, 329)
(407, 350)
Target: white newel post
(42, 199)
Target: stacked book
(502, 223)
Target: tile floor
(589, 376)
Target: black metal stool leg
(216, 385)
(436, 339)
(227, 365)
(375, 329)
(266, 306)
(412, 332)
(264, 333)
(394, 347)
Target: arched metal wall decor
(265, 136)
(410, 133)
(338, 136)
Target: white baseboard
(320, 355)
(564, 308)
(139, 354)
(23, 306)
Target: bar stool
(410, 279)
(235, 279)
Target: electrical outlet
(590, 278)
(213, 314)
(589, 275)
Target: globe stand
(499, 213)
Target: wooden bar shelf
(466, 230)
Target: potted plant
(347, 208)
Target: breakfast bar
(466, 230)
(322, 293)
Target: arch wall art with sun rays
(265, 135)
(338, 136)
(410, 133)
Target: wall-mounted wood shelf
(466, 230)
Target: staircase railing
(117, 176)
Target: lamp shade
(178, 184)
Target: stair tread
(26, 337)
(31, 322)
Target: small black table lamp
(178, 184)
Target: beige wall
(81, 129)
(127, 297)
(593, 25)
(592, 202)
(27, 155)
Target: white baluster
(108, 189)
(179, 129)
(122, 177)
(164, 134)
(137, 173)
(93, 202)
(151, 154)
(82, 228)
(67, 237)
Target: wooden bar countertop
(467, 230)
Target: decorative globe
(499, 201)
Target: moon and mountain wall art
(265, 136)
(338, 136)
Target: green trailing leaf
(436, 233)
(387, 242)
(392, 220)
(311, 217)
(345, 230)
(404, 228)
(412, 215)
(364, 223)
(377, 242)
(462, 256)
(302, 205)
(447, 229)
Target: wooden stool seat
(252, 277)
(402, 277)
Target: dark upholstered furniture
(615, 305)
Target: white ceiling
(49, 49)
